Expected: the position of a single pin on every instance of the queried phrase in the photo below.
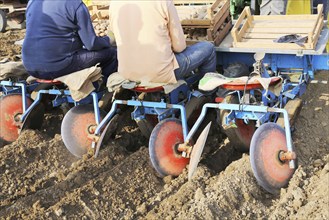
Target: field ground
(40, 179)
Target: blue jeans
(200, 56)
(83, 59)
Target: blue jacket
(55, 29)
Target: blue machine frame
(61, 96)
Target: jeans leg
(201, 56)
(106, 57)
(84, 59)
(110, 62)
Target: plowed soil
(40, 179)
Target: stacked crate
(204, 20)
(99, 12)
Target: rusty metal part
(186, 149)
(93, 137)
(92, 128)
(284, 156)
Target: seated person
(60, 39)
(151, 43)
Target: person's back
(56, 31)
(49, 43)
(143, 40)
(149, 37)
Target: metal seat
(49, 81)
(147, 90)
(241, 86)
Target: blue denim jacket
(55, 30)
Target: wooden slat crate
(99, 11)
(204, 19)
(257, 31)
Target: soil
(40, 179)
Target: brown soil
(40, 179)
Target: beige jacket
(147, 35)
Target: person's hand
(112, 38)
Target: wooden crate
(99, 11)
(194, 35)
(257, 31)
(201, 20)
(212, 26)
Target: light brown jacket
(147, 35)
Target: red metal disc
(163, 145)
(266, 144)
(193, 109)
(11, 107)
(241, 134)
(147, 124)
(77, 124)
(244, 133)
